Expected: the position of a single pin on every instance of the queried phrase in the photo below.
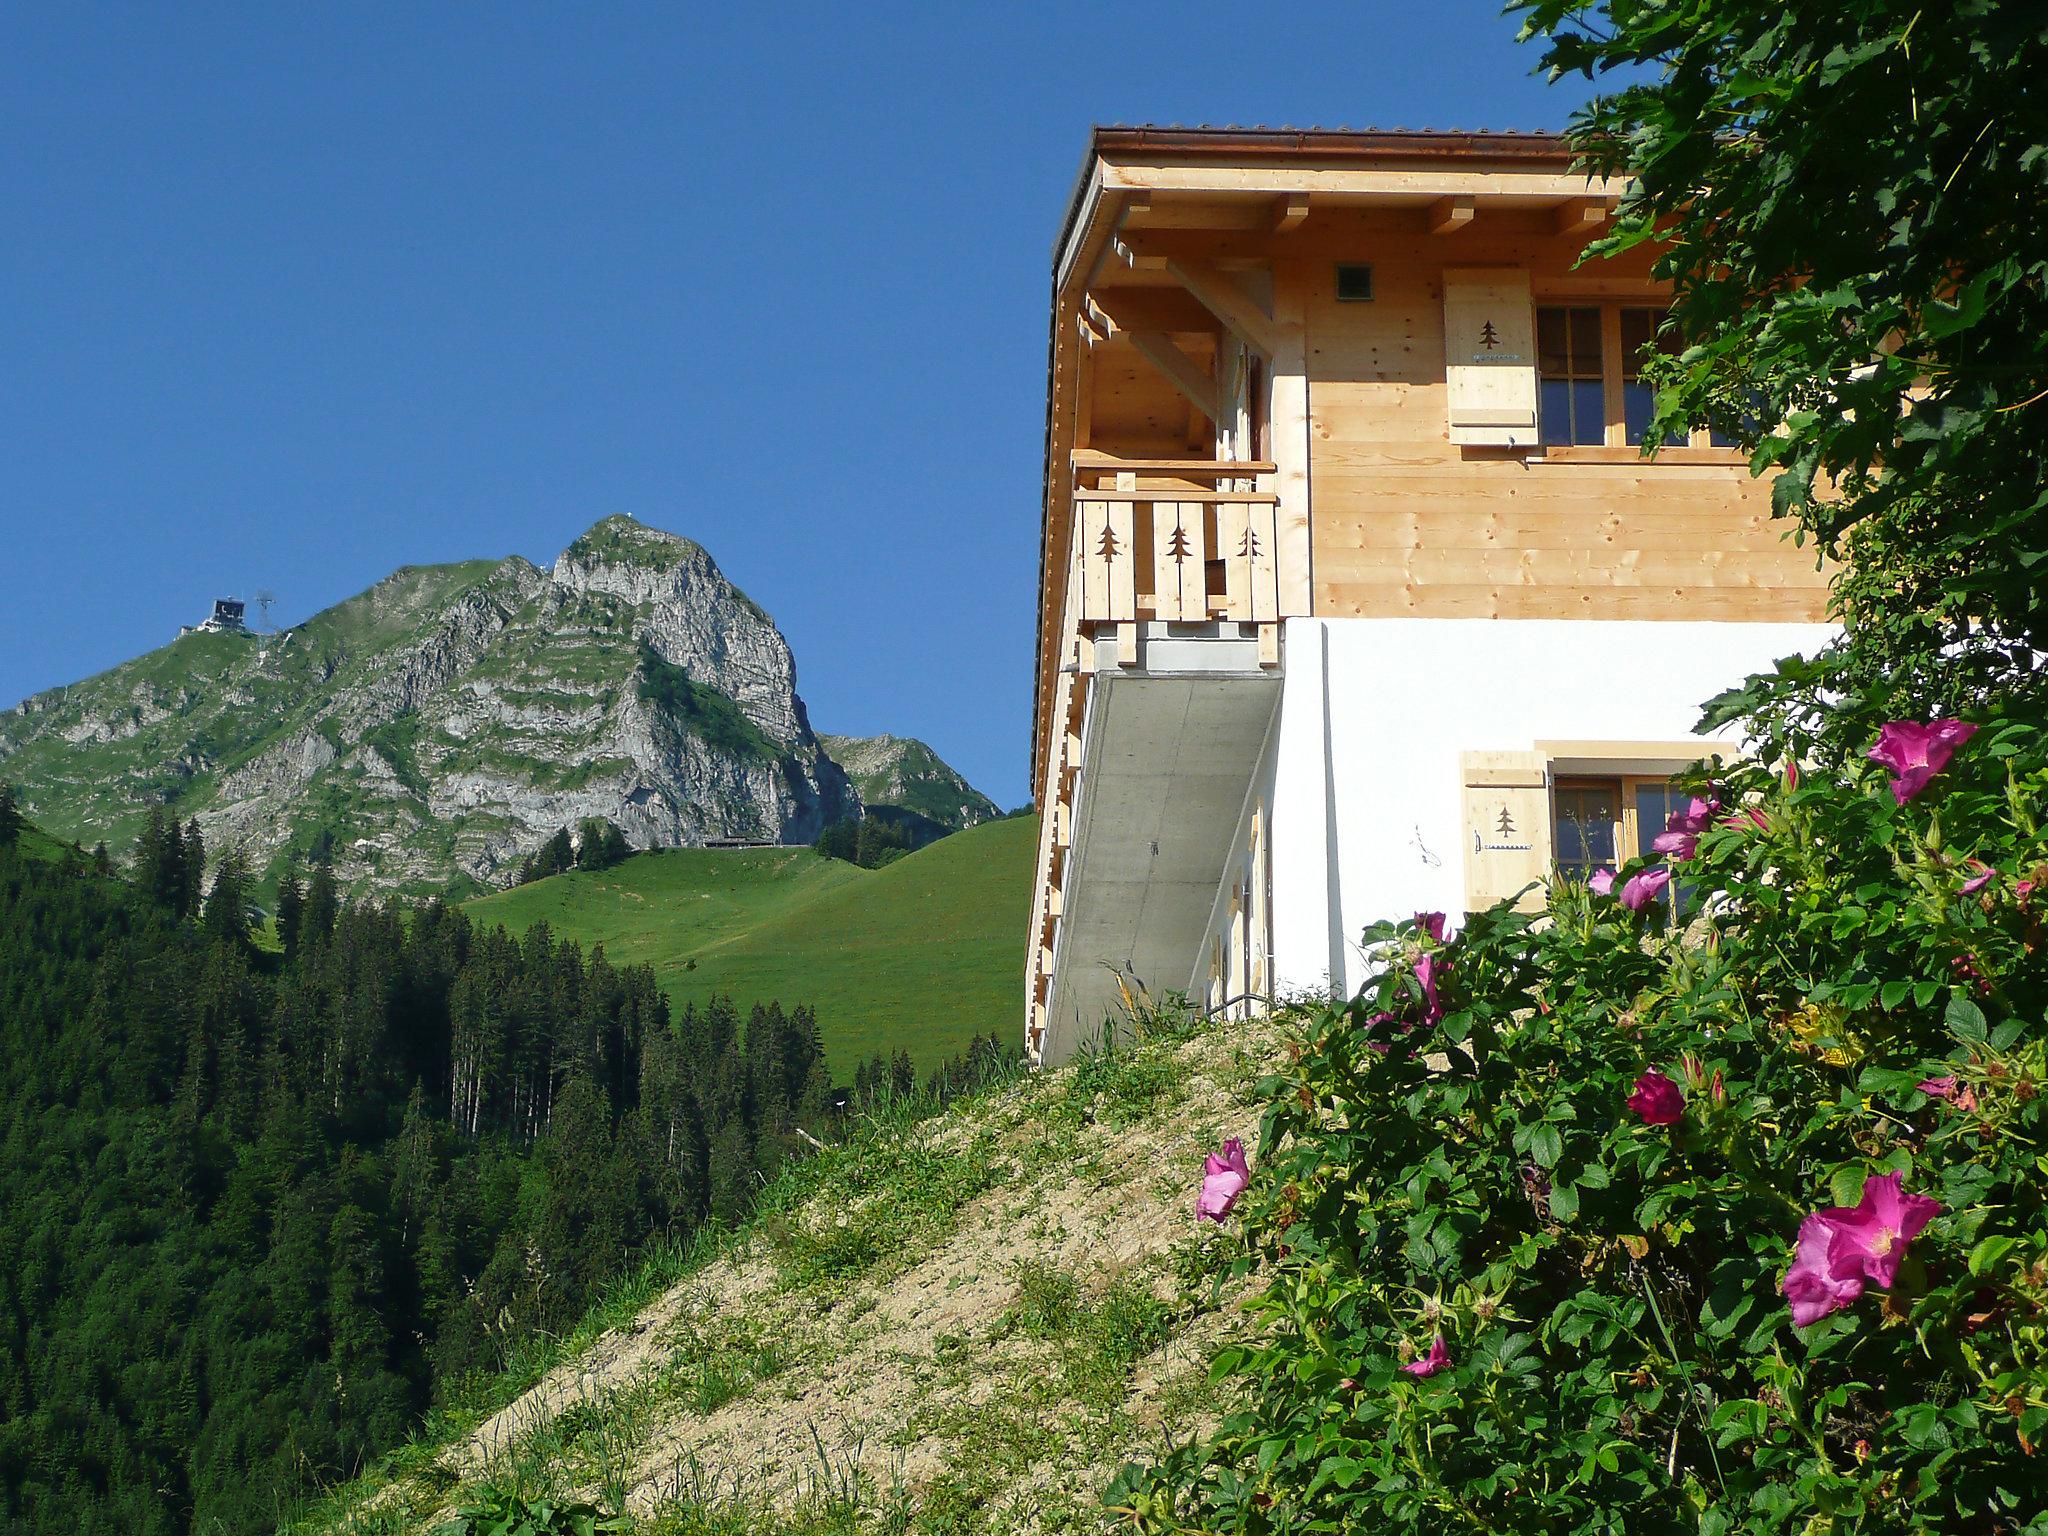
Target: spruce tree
(291, 912)
(323, 906)
(191, 870)
(10, 817)
(227, 904)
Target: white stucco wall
(1365, 780)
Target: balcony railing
(1189, 540)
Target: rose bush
(1539, 1215)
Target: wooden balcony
(1187, 540)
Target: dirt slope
(961, 1325)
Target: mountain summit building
(1357, 596)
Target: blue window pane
(1638, 405)
(1555, 412)
(1588, 425)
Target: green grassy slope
(922, 955)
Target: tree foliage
(258, 1212)
(1851, 205)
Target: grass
(923, 955)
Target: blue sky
(293, 295)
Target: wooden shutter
(1490, 355)
(1507, 827)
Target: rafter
(1448, 215)
(1580, 216)
(1289, 212)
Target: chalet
(1357, 594)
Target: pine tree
(192, 870)
(10, 817)
(323, 906)
(291, 912)
(227, 904)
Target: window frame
(1697, 445)
(1630, 843)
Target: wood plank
(1231, 546)
(1264, 573)
(1193, 469)
(1097, 549)
(1293, 446)
(1515, 565)
(1122, 567)
(1248, 498)
(1191, 561)
(1290, 212)
(1731, 604)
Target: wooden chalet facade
(1357, 594)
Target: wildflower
(1842, 1248)
(1874, 1234)
(1812, 1285)
(1224, 1178)
(1437, 1358)
(1915, 753)
(1425, 976)
(1682, 829)
(1644, 887)
(1657, 1100)
(1984, 876)
(1600, 882)
(1431, 923)
(1749, 818)
(1938, 1087)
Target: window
(1641, 340)
(1587, 816)
(1604, 823)
(1571, 374)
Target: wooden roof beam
(1224, 297)
(1580, 216)
(1289, 212)
(1448, 215)
(1153, 309)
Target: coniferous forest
(259, 1210)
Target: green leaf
(1546, 1146)
(1989, 1252)
(1964, 1018)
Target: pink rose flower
(1682, 829)
(1224, 1178)
(1984, 876)
(1425, 976)
(1644, 887)
(1600, 882)
(1842, 1248)
(1915, 753)
(1431, 923)
(1437, 1358)
(1813, 1285)
(1938, 1087)
(1657, 1099)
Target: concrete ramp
(1170, 752)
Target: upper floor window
(1571, 375)
(1590, 365)
(1641, 340)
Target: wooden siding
(1408, 524)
